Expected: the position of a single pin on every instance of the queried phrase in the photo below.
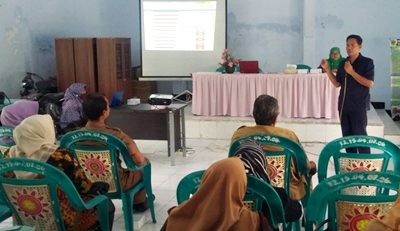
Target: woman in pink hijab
(13, 114)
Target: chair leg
(128, 211)
(103, 211)
(297, 225)
(288, 226)
(150, 200)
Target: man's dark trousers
(355, 123)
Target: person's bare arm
(311, 166)
(133, 149)
(325, 65)
(136, 154)
(357, 77)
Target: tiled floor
(165, 178)
(201, 153)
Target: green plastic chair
(279, 163)
(327, 206)
(348, 162)
(34, 202)
(5, 211)
(303, 66)
(257, 192)
(18, 228)
(100, 163)
(6, 139)
(222, 69)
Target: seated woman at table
(218, 203)
(13, 114)
(335, 58)
(71, 113)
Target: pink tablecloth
(299, 95)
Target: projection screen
(181, 37)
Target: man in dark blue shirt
(355, 76)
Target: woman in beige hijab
(218, 203)
(35, 139)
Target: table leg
(171, 137)
(183, 129)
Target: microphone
(348, 59)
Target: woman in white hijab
(35, 139)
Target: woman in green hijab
(335, 58)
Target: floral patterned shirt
(73, 219)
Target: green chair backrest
(34, 202)
(348, 162)
(5, 211)
(222, 69)
(98, 153)
(349, 212)
(303, 66)
(278, 161)
(188, 185)
(18, 228)
(257, 192)
(6, 139)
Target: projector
(160, 99)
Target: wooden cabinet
(104, 64)
(114, 66)
(65, 63)
(85, 65)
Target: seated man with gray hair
(265, 113)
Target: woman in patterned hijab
(72, 106)
(252, 155)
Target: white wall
(375, 21)
(269, 31)
(28, 29)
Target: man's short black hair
(265, 110)
(94, 105)
(356, 37)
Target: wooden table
(147, 122)
(298, 95)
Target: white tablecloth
(299, 95)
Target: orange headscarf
(217, 205)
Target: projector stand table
(143, 122)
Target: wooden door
(85, 68)
(114, 66)
(106, 66)
(65, 63)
